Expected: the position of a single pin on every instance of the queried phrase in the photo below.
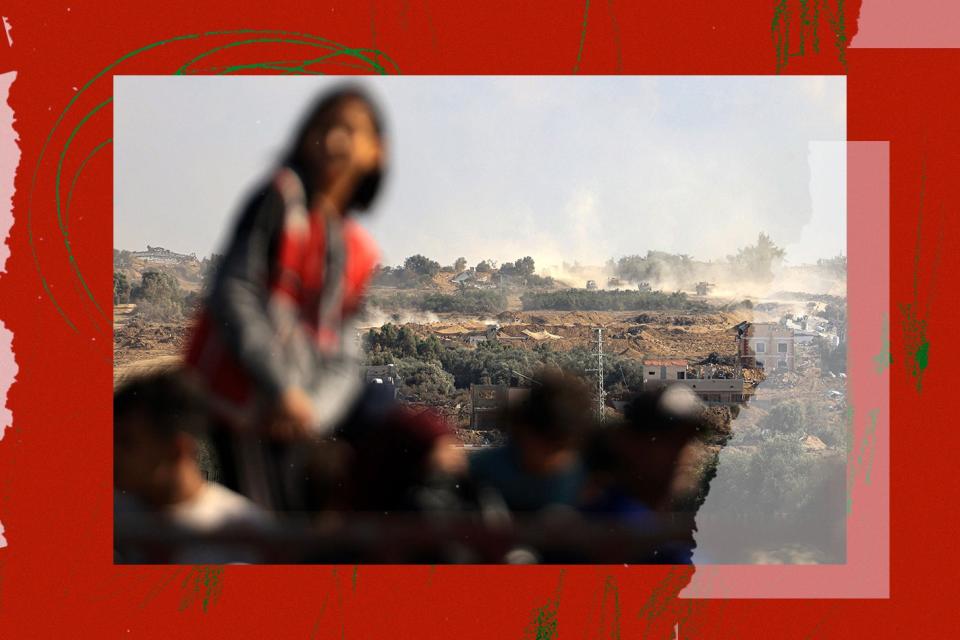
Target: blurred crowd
(266, 447)
(393, 483)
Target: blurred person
(158, 422)
(327, 478)
(540, 465)
(413, 461)
(273, 342)
(633, 468)
(659, 427)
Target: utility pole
(601, 394)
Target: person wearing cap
(632, 467)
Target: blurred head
(342, 133)
(659, 425)
(601, 460)
(156, 421)
(407, 450)
(547, 427)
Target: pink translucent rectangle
(867, 569)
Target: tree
(429, 349)
(208, 270)
(836, 265)
(467, 301)
(522, 267)
(407, 342)
(582, 299)
(483, 267)
(121, 288)
(786, 418)
(122, 259)
(460, 264)
(421, 265)
(758, 260)
(158, 296)
(425, 380)
(654, 267)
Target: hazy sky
(560, 168)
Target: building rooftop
(675, 362)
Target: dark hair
(557, 410)
(599, 451)
(325, 106)
(167, 402)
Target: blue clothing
(614, 502)
(639, 517)
(500, 469)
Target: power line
(601, 394)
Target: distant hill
(186, 268)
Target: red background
(56, 575)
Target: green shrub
(588, 300)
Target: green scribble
(610, 592)
(373, 24)
(780, 30)
(158, 587)
(915, 327)
(63, 228)
(433, 31)
(839, 26)
(336, 52)
(884, 359)
(288, 67)
(817, 628)
(544, 623)
(809, 25)
(76, 176)
(816, 26)
(316, 624)
(301, 68)
(664, 595)
(583, 36)
(917, 345)
(869, 440)
(851, 463)
(860, 457)
(353, 578)
(616, 35)
(804, 24)
(204, 582)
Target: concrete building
(710, 390)
(767, 345)
(159, 255)
(671, 369)
(488, 403)
(463, 277)
(385, 374)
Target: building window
(681, 375)
(652, 373)
(761, 347)
(782, 347)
